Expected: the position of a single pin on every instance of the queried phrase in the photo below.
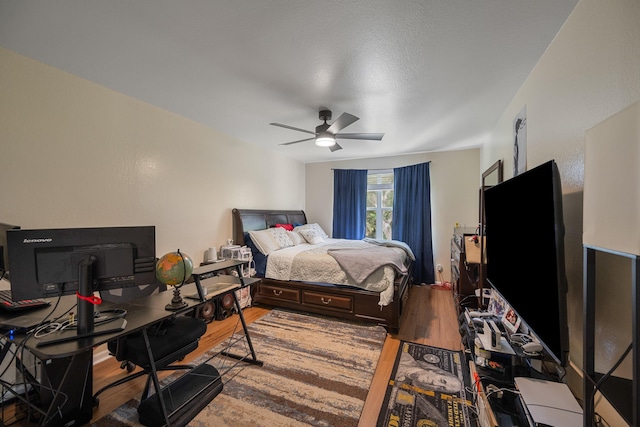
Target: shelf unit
(463, 275)
(204, 271)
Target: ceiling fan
(326, 134)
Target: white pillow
(270, 240)
(281, 237)
(313, 226)
(311, 234)
(296, 237)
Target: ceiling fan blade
(295, 142)
(335, 147)
(292, 128)
(370, 136)
(342, 122)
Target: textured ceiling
(431, 74)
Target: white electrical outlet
(439, 268)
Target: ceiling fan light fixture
(325, 140)
(325, 134)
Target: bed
(362, 301)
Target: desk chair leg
(154, 376)
(254, 360)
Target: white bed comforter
(312, 263)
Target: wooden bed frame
(333, 300)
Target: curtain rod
(385, 169)
(378, 169)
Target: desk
(67, 379)
(66, 392)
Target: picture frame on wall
(520, 142)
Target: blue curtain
(349, 203)
(412, 217)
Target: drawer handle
(327, 301)
(277, 292)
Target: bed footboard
(339, 301)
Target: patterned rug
(428, 387)
(317, 372)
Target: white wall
(455, 182)
(590, 71)
(75, 154)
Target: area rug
(427, 387)
(317, 372)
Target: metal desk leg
(253, 360)
(154, 377)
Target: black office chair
(170, 340)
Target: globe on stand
(173, 269)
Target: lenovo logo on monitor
(47, 240)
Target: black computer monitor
(53, 262)
(4, 252)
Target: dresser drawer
(280, 293)
(342, 303)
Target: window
(379, 204)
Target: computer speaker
(206, 311)
(224, 306)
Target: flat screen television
(525, 253)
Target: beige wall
(589, 72)
(75, 154)
(455, 180)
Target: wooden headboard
(245, 220)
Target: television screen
(525, 253)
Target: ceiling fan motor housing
(325, 115)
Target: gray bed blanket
(360, 263)
(392, 244)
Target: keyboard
(7, 304)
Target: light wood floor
(430, 319)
